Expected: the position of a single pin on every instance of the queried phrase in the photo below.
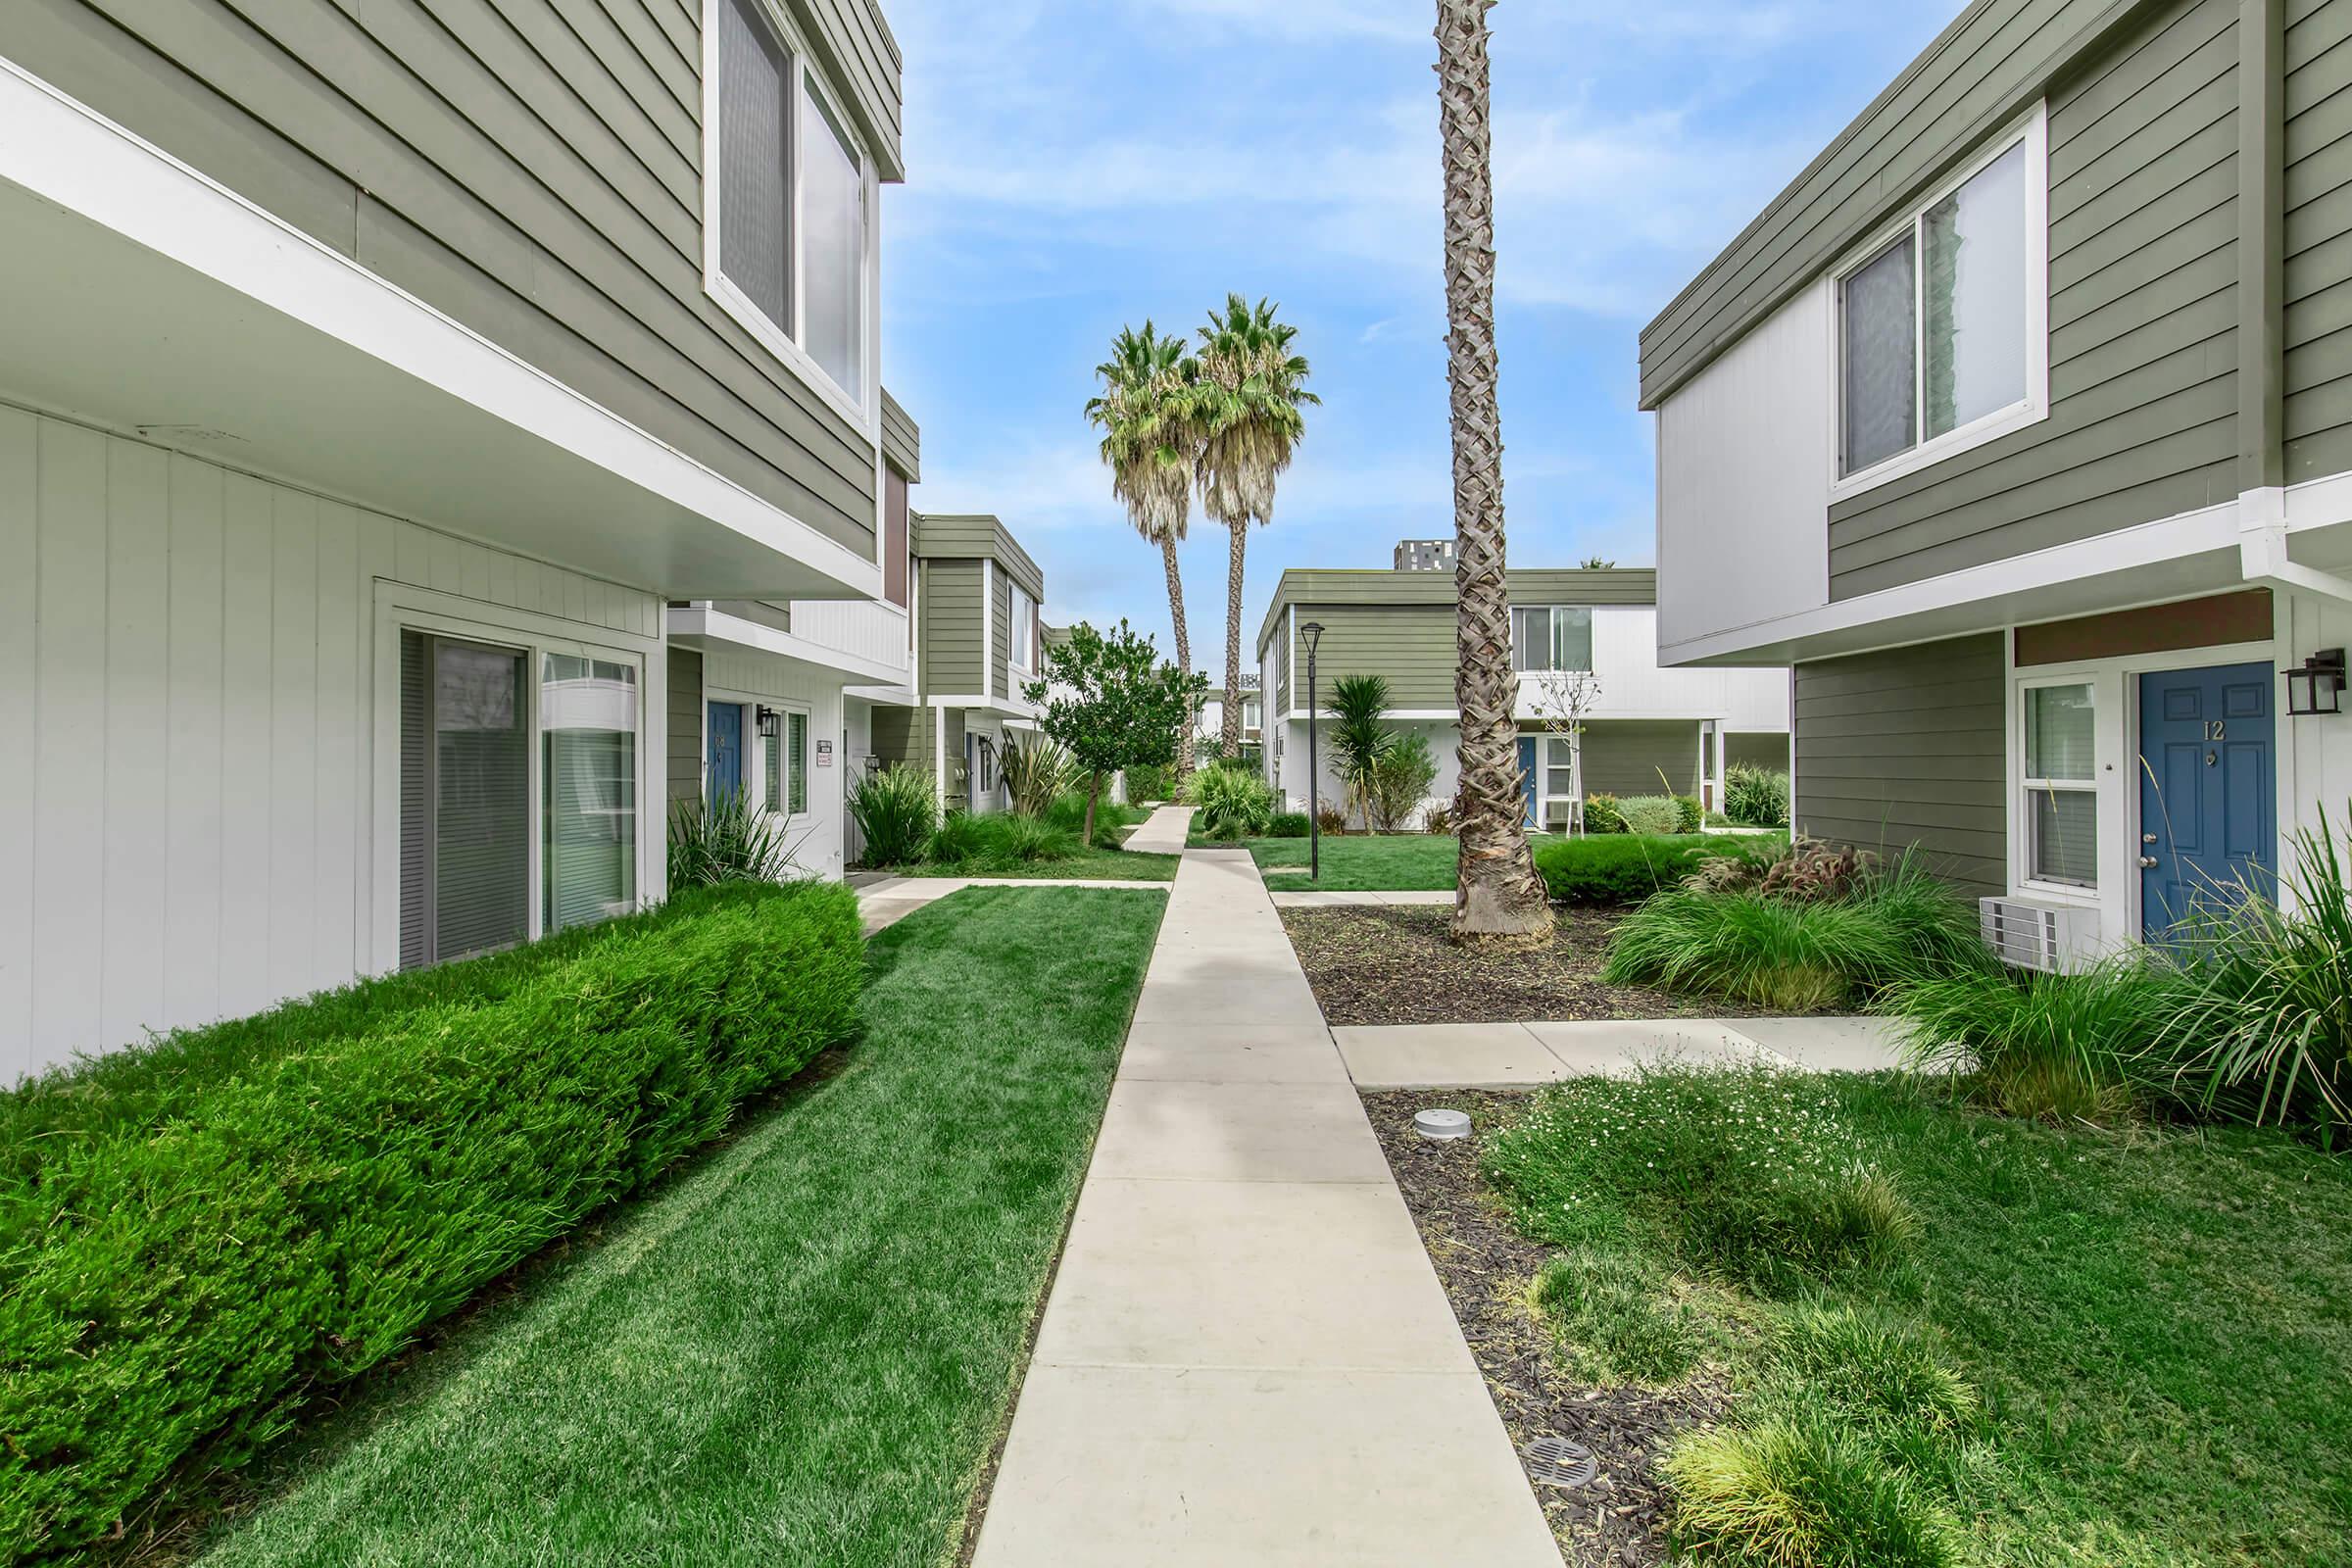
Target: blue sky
(1077, 165)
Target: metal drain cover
(1442, 1124)
(1557, 1462)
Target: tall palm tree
(1498, 891)
(1150, 414)
(1259, 392)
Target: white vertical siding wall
(2314, 755)
(186, 817)
(817, 833)
(1743, 489)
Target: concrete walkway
(1247, 1357)
(1508, 1056)
(1162, 832)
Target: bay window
(788, 214)
(2062, 803)
(1939, 325)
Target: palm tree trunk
(1233, 641)
(1184, 646)
(1498, 891)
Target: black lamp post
(1313, 632)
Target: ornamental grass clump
(1803, 950)
(1233, 803)
(201, 1236)
(1613, 1318)
(1754, 796)
(897, 811)
(1797, 1488)
(1741, 1172)
(976, 843)
(2054, 1046)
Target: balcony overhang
(704, 628)
(147, 298)
(2184, 557)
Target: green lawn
(1399, 863)
(1092, 865)
(2158, 1322)
(801, 1351)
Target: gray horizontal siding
(950, 597)
(1994, 59)
(856, 51)
(1411, 645)
(1313, 588)
(999, 613)
(1906, 748)
(2144, 313)
(2319, 238)
(1756, 751)
(902, 439)
(902, 735)
(1640, 757)
(940, 536)
(528, 167)
(685, 717)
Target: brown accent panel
(2208, 623)
(893, 537)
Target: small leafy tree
(1111, 700)
(1562, 698)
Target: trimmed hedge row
(215, 1225)
(1624, 868)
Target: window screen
(464, 799)
(588, 731)
(755, 128)
(796, 760)
(1881, 373)
(833, 252)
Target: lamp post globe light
(1312, 632)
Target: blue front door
(724, 755)
(2208, 801)
(1527, 778)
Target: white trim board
(69, 155)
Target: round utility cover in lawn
(1442, 1124)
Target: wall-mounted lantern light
(2318, 687)
(771, 722)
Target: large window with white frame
(789, 214)
(1023, 653)
(2061, 783)
(1550, 637)
(1940, 323)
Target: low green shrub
(1896, 925)
(897, 811)
(1743, 1172)
(1154, 783)
(1690, 813)
(1611, 1314)
(1233, 803)
(1401, 781)
(1754, 796)
(1654, 814)
(976, 842)
(1623, 868)
(214, 1229)
(1800, 1488)
(1604, 813)
(1288, 825)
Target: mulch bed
(1394, 964)
(1486, 1265)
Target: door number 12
(2216, 730)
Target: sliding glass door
(464, 831)
(588, 732)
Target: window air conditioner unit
(2035, 936)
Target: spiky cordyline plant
(1360, 737)
(1255, 419)
(1498, 891)
(1151, 412)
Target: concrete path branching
(1247, 1357)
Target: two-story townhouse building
(2020, 424)
(1646, 731)
(373, 380)
(978, 642)
(1209, 722)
